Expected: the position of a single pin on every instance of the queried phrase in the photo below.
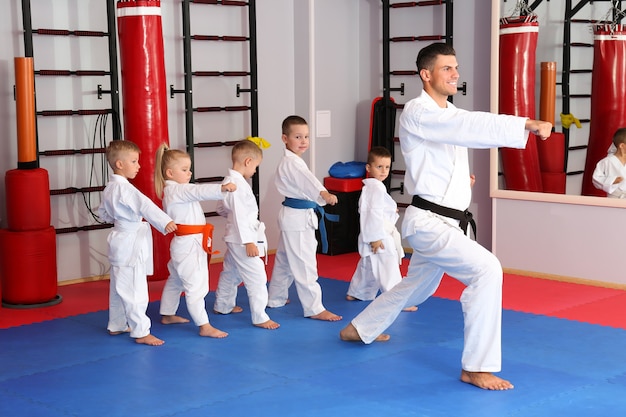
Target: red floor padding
(584, 303)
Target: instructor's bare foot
(173, 320)
(326, 316)
(485, 380)
(235, 310)
(349, 334)
(149, 340)
(209, 331)
(410, 309)
(270, 325)
(351, 298)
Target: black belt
(464, 217)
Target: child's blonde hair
(116, 148)
(165, 158)
(245, 149)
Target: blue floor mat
(71, 367)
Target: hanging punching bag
(518, 42)
(608, 107)
(145, 100)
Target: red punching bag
(145, 100)
(518, 42)
(608, 89)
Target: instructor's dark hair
(428, 54)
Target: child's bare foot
(351, 298)
(410, 309)
(173, 320)
(485, 380)
(209, 331)
(149, 340)
(270, 325)
(349, 334)
(326, 316)
(235, 310)
(120, 332)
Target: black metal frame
(188, 83)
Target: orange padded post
(25, 111)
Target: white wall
(566, 240)
(312, 55)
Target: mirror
(550, 49)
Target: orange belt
(205, 229)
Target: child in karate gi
(380, 243)
(245, 240)
(130, 243)
(296, 255)
(188, 265)
(610, 171)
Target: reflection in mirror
(570, 48)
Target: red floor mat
(590, 304)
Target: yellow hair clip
(260, 142)
(568, 119)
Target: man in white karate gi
(434, 138)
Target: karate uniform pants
(128, 300)
(437, 248)
(189, 273)
(296, 261)
(238, 268)
(374, 272)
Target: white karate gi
(378, 216)
(297, 246)
(188, 265)
(241, 209)
(607, 169)
(434, 144)
(130, 253)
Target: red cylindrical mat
(28, 199)
(28, 267)
(552, 153)
(554, 182)
(25, 111)
(608, 90)
(518, 42)
(145, 99)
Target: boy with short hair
(129, 242)
(245, 240)
(297, 246)
(380, 244)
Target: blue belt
(308, 204)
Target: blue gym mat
(72, 367)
